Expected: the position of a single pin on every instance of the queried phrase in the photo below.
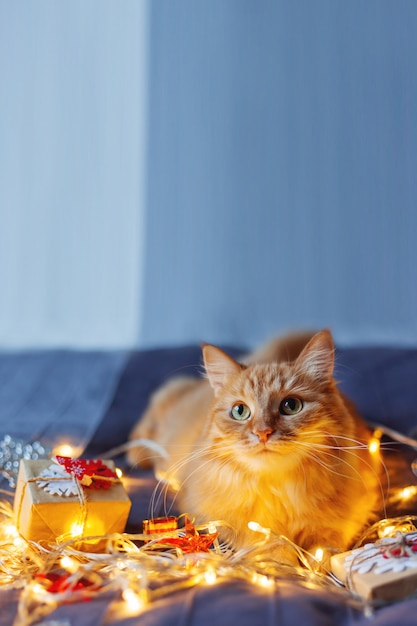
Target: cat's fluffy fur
(306, 475)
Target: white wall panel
(72, 171)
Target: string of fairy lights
(141, 568)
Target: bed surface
(95, 398)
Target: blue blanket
(95, 398)
(57, 395)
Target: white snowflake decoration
(373, 557)
(64, 487)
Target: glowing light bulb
(76, 529)
(386, 531)
(133, 600)
(10, 530)
(210, 576)
(38, 590)
(257, 528)
(69, 564)
(374, 445)
(118, 472)
(18, 542)
(262, 580)
(319, 554)
(64, 449)
(407, 492)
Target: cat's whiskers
(349, 450)
(318, 450)
(219, 461)
(357, 444)
(165, 484)
(326, 435)
(155, 498)
(361, 445)
(328, 465)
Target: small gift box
(69, 499)
(383, 571)
(187, 540)
(160, 525)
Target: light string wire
(143, 573)
(140, 574)
(394, 434)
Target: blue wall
(282, 170)
(179, 170)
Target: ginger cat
(274, 442)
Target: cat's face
(266, 411)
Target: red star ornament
(190, 542)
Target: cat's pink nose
(263, 434)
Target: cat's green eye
(240, 412)
(290, 406)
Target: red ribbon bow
(88, 471)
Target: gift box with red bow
(68, 499)
(382, 571)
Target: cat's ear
(219, 366)
(317, 357)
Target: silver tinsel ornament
(12, 450)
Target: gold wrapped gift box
(44, 516)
